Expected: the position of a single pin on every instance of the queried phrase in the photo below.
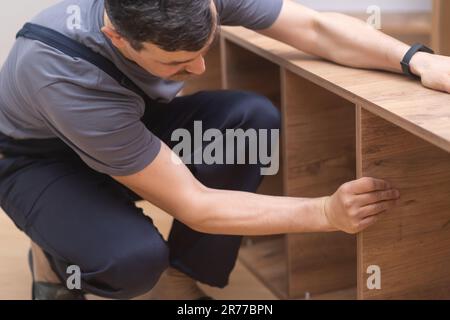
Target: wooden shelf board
(267, 261)
(345, 294)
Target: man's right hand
(357, 205)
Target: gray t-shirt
(46, 94)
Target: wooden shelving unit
(340, 124)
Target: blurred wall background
(12, 16)
(362, 5)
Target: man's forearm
(351, 42)
(242, 213)
(173, 188)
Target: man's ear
(115, 38)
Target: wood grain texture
(441, 26)
(401, 101)
(319, 138)
(243, 70)
(411, 243)
(345, 294)
(267, 261)
(319, 154)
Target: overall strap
(75, 49)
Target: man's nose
(197, 66)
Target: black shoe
(51, 291)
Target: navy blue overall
(81, 217)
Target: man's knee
(133, 271)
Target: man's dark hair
(172, 25)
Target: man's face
(175, 66)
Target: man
(79, 147)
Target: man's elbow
(195, 211)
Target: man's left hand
(434, 70)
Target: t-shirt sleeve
(103, 128)
(252, 14)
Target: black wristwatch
(418, 47)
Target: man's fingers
(376, 208)
(368, 222)
(365, 185)
(377, 196)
